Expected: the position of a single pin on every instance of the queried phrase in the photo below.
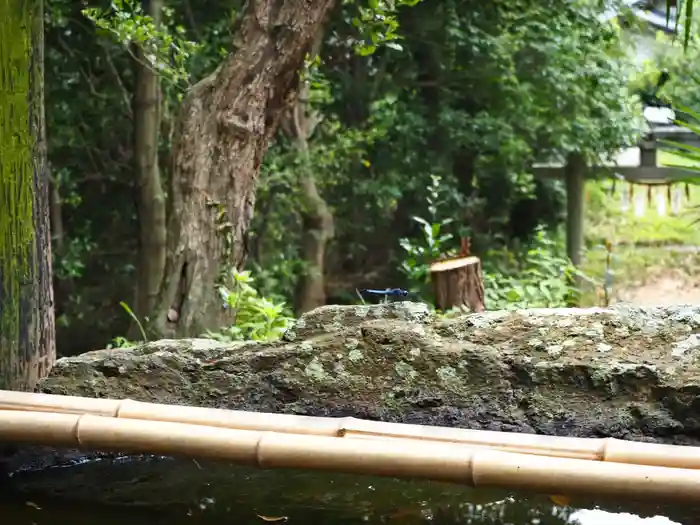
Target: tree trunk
(151, 198)
(27, 335)
(55, 214)
(224, 126)
(318, 226)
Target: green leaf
(367, 49)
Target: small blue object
(396, 292)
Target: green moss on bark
(16, 169)
(26, 319)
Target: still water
(154, 491)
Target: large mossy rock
(626, 372)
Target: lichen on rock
(627, 372)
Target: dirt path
(668, 287)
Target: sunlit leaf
(561, 501)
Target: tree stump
(458, 282)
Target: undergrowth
(538, 275)
(255, 318)
(642, 247)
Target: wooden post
(575, 187)
(647, 154)
(27, 340)
(458, 282)
(575, 199)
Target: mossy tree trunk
(222, 134)
(27, 335)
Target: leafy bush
(256, 318)
(432, 244)
(538, 277)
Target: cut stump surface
(458, 282)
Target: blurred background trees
(430, 110)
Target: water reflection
(601, 517)
(152, 491)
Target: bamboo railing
(597, 449)
(478, 458)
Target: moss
(355, 355)
(404, 370)
(16, 171)
(315, 370)
(605, 373)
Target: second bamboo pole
(447, 462)
(597, 449)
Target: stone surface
(626, 372)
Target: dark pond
(153, 491)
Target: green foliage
(679, 59)
(71, 264)
(165, 48)
(432, 244)
(377, 23)
(681, 88)
(539, 276)
(683, 92)
(552, 100)
(122, 342)
(476, 95)
(256, 318)
(129, 311)
(277, 226)
(686, 17)
(688, 155)
(467, 94)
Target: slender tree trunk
(317, 220)
(27, 335)
(224, 126)
(319, 229)
(55, 214)
(151, 198)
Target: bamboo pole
(597, 449)
(448, 462)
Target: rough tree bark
(299, 124)
(223, 130)
(458, 283)
(27, 335)
(151, 198)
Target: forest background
(417, 124)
